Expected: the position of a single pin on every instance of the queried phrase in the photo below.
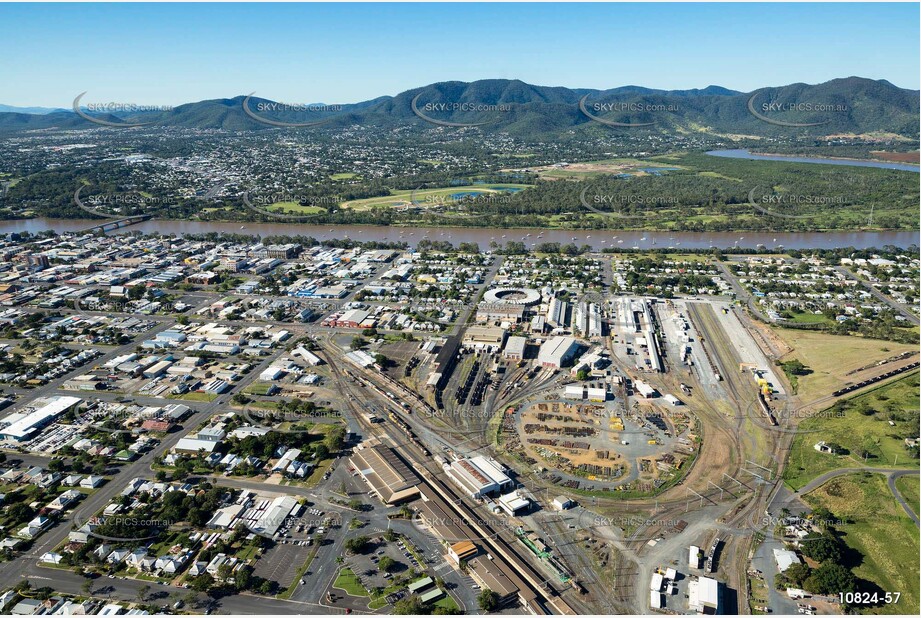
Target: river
(598, 239)
(745, 154)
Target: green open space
(891, 413)
(910, 488)
(875, 526)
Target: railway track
(504, 554)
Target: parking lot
(281, 563)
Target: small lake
(745, 154)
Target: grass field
(699, 258)
(427, 197)
(810, 318)
(446, 602)
(343, 176)
(348, 581)
(910, 488)
(857, 432)
(591, 169)
(294, 208)
(831, 357)
(878, 528)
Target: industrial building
(580, 392)
(444, 363)
(515, 348)
(785, 559)
(386, 473)
(644, 390)
(557, 352)
(694, 557)
(635, 321)
(513, 503)
(500, 312)
(587, 319)
(484, 338)
(704, 595)
(486, 574)
(479, 476)
(561, 503)
(556, 313)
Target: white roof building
(785, 559)
(703, 595)
(557, 351)
(21, 427)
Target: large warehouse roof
(392, 479)
(23, 426)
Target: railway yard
(532, 424)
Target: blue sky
(168, 54)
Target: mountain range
(850, 105)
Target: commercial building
(21, 427)
(275, 515)
(390, 478)
(462, 551)
(193, 446)
(353, 318)
(557, 352)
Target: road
(892, 475)
(897, 307)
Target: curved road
(891, 473)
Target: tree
(387, 564)
(202, 583)
(488, 600)
(409, 605)
(143, 591)
(356, 545)
(831, 579)
(825, 548)
(796, 574)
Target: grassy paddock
(880, 531)
(857, 432)
(831, 357)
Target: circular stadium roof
(513, 296)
